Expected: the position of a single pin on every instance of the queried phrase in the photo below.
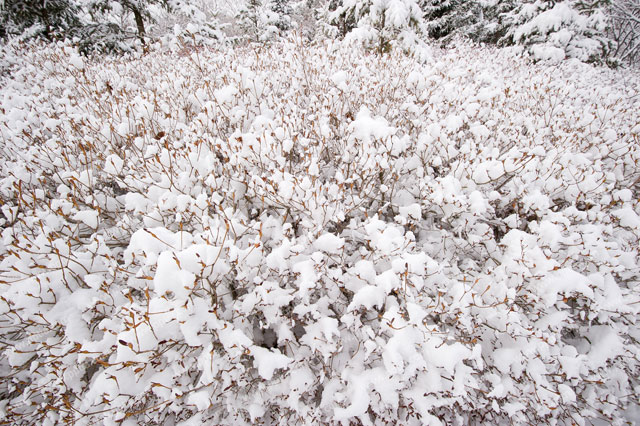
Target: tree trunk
(139, 23)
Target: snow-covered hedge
(314, 234)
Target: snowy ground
(316, 234)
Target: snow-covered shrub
(316, 234)
(555, 30)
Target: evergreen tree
(379, 23)
(282, 11)
(262, 20)
(39, 17)
(249, 20)
(439, 16)
(491, 25)
(563, 29)
(342, 16)
(309, 17)
(91, 22)
(139, 10)
(480, 20)
(193, 22)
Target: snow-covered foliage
(315, 234)
(111, 25)
(479, 20)
(283, 11)
(264, 20)
(444, 17)
(192, 23)
(309, 18)
(32, 18)
(555, 30)
(380, 24)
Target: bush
(316, 234)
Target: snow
(169, 279)
(113, 164)
(268, 361)
(605, 345)
(368, 297)
(225, 95)
(564, 281)
(628, 218)
(366, 128)
(360, 400)
(88, 217)
(76, 61)
(413, 211)
(560, 30)
(329, 243)
(340, 79)
(200, 399)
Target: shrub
(317, 234)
